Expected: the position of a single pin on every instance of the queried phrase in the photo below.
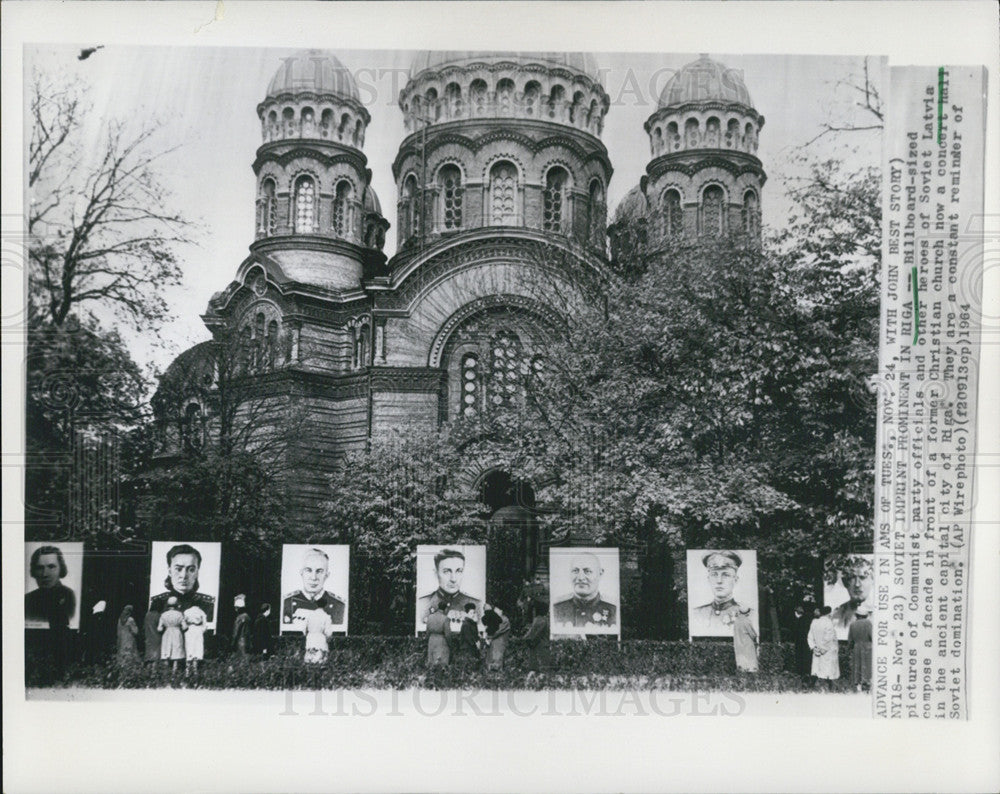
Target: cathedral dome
(705, 80)
(313, 72)
(436, 60)
(632, 207)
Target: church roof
(705, 80)
(632, 206)
(583, 63)
(313, 72)
(371, 202)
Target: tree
(385, 500)
(101, 235)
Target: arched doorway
(513, 543)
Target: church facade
(501, 181)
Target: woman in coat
(319, 627)
(745, 641)
(859, 640)
(171, 626)
(823, 642)
(151, 634)
(497, 633)
(194, 637)
(438, 637)
(537, 639)
(128, 633)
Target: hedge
(399, 663)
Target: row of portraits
(584, 586)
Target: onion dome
(437, 60)
(632, 207)
(316, 72)
(705, 80)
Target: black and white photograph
(314, 577)
(585, 590)
(53, 580)
(848, 586)
(606, 311)
(184, 577)
(448, 579)
(721, 586)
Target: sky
(206, 98)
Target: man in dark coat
(261, 633)
(537, 639)
(241, 627)
(803, 654)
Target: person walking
(171, 626)
(438, 636)
(241, 627)
(745, 642)
(537, 639)
(151, 636)
(859, 641)
(803, 653)
(128, 632)
(467, 651)
(195, 621)
(261, 631)
(825, 649)
(497, 634)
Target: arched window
(304, 206)
(691, 136)
(271, 345)
(657, 142)
(410, 200)
(342, 209)
(453, 96)
(712, 132)
(326, 123)
(503, 194)
(576, 112)
(673, 137)
(433, 106)
(596, 214)
(360, 357)
(532, 98)
(671, 209)
(554, 199)
(192, 428)
(505, 96)
(450, 187)
(713, 216)
(245, 349)
(592, 116)
(508, 368)
(359, 134)
(751, 214)
(259, 351)
(750, 138)
(308, 123)
(288, 119)
(477, 93)
(557, 102)
(733, 134)
(267, 221)
(472, 387)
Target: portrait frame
(606, 619)
(292, 556)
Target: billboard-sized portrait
(53, 582)
(449, 578)
(584, 591)
(314, 576)
(848, 584)
(721, 583)
(185, 576)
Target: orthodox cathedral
(501, 173)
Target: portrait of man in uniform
(191, 574)
(720, 584)
(584, 584)
(319, 575)
(457, 575)
(52, 598)
(848, 583)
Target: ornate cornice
(586, 147)
(705, 106)
(691, 162)
(406, 379)
(327, 153)
(299, 97)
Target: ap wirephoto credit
(371, 373)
